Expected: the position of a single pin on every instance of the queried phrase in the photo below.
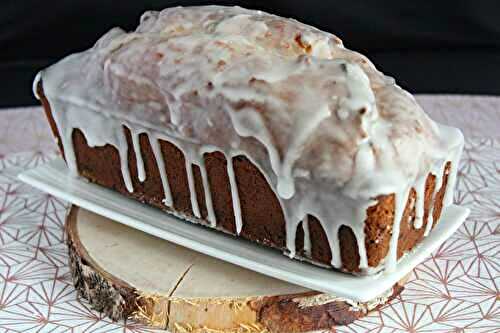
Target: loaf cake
(258, 126)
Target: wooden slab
(129, 274)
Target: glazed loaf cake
(258, 126)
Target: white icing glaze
(123, 153)
(155, 146)
(328, 131)
(419, 202)
(36, 81)
(454, 157)
(192, 190)
(208, 193)
(360, 239)
(400, 200)
(307, 237)
(141, 173)
(238, 219)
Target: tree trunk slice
(126, 273)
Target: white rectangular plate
(55, 179)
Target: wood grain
(125, 273)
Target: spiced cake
(257, 126)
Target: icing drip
(141, 173)
(419, 202)
(457, 142)
(360, 239)
(36, 81)
(439, 173)
(234, 194)
(208, 194)
(123, 152)
(66, 132)
(328, 131)
(304, 125)
(400, 200)
(291, 232)
(192, 189)
(455, 161)
(307, 237)
(334, 241)
(155, 146)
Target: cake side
(263, 217)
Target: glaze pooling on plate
(328, 131)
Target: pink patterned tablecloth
(454, 290)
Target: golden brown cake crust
(264, 219)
